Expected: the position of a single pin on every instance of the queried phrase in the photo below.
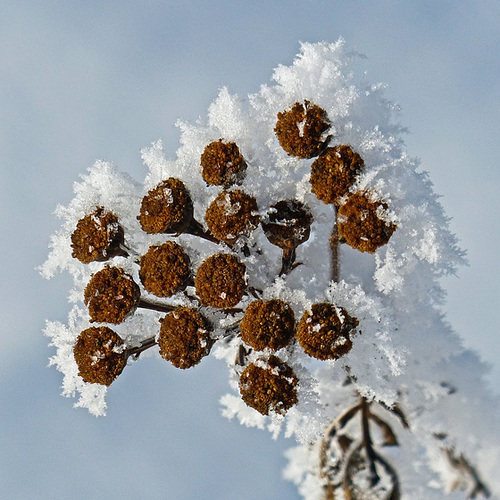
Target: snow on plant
(294, 238)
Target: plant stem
(146, 304)
(335, 250)
(145, 344)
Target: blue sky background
(81, 81)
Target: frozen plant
(293, 237)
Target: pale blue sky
(81, 81)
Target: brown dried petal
(111, 295)
(269, 386)
(324, 332)
(100, 355)
(184, 337)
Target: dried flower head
(301, 130)
(222, 164)
(111, 295)
(97, 237)
(232, 214)
(167, 208)
(361, 223)
(269, 386)
(324, 332)
(220, 281)
(287, 224)
(334, 172)
(100, 355)
(165, 269)
(184, 337)
(267, 324)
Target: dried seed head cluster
(97, 237)
(300, 130)
(334, 172)
(167, 208)
(100, 355)
(220, 281)
(325, 331)
(165, 269)
(184, 337)
(360, 223)
(269, 386)
(222, 164)
(232, 214)
(287, 224)
(267, 324)
(111, 295)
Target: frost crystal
(326, 187)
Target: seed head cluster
(97, 237)
(111, 295)
(232, 214)
(269, 386)
(222, 164)
(360, 223)
(334, 172)
(167, 208)
(184, 337)
(325, 331)
(267, 324)
(100, 355)
(165, 269)
(220, 281)
(287, 224)
(301, 130)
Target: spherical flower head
(287, 224)
(165, 269)
(361, 224)
(97, 237)
(232, 214)
(100, 355)
(111, 295)
(301, 129)
(220, 281)
(269, 386)
(267, 324)
(324, 332)
(184, 337)
(167, 208)
(334, 172)
(222, 164)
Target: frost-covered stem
(145, 344)
(367, 441)
(335, 250)
(287, 260)
(146, 304)
(196, 229)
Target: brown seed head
(111, 295)
(269, 386)
(360, 224)
(97, 237)
(324, 332)
(287, 224)
(100, 355)
(267, 323)
(164, 269)
(301, 129)
(220, 281)
(167, 208)
(334, 172)
(232, 214)
(184, 337)
(222, 164)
